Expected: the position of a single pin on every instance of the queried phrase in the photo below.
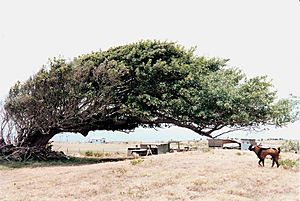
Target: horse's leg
(259, 162)
(263, 162)
(276, 160)
(273, 161)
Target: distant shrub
(98, 154)
(136, 161)
(88, 153)
(289, 164)
(205, 149)
(194, 148)
(101, 154)
(119, 171)
(290, 146)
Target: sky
(259, 37)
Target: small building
(245, 143)
(97, 140)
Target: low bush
(88, 153)
(205, 149)
(289, 163)
(136, 161)
(290, 146)
(119, 171)
(98, 154)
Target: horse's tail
(278, 150)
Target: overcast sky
(259, 37)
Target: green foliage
(289, 163)
(290, 146)
(88, 153)
(101, 154)
(149, 84)
(119, 172)
(136, 161)
(98, 154)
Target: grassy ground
(197, 175)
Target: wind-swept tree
(149, 84)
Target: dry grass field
(116, 148)
(204, 174)
(78, 149)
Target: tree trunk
(2, 142)
(36, 140)
(41, 140)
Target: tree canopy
(147, 83)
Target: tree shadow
(71, 161)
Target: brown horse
(263, 152)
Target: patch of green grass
(136, 161)
(289, 164)
(98, 154)
(102, 154)
(88, 153)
